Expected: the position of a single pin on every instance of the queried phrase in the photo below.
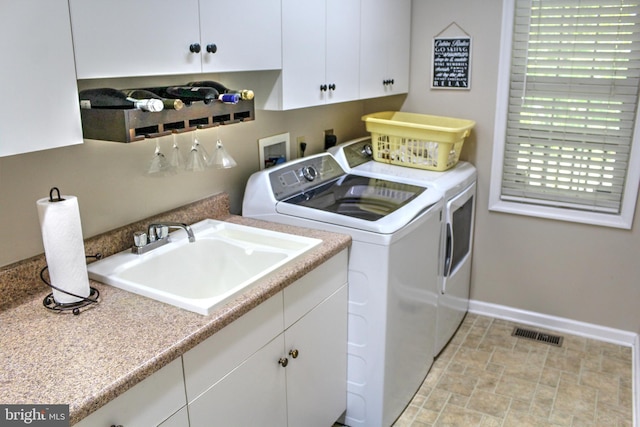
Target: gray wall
(580, 272)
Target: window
(568, 111)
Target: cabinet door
(247, 35)
(343, 50)
(317, 377)
(41, 107)
(384, 49)
(399, 45)
(211, 360)
(253, 394)
(119, 38)
(303, 53)
(148, 403)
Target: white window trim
(622, 220)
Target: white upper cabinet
(125, 38)
(385, 47)
(39, 76)
(246, 35)
(121, 38)
(320, 54)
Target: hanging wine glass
(221, 158)
(198, 156)
(159, 165)
(176, 158)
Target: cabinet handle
(332, 86)
(283, 362)
(212, 48)
(194, 48)
(293, 353)
(323, 88)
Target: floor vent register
(537, 336)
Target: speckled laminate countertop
(89, 359)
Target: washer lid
(358, 196)
(370, 204)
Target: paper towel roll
(64, 247)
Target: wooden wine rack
(135, 125)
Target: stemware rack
(129, 125)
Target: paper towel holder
(57, 199)
(50, 303)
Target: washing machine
(458, 186)
(393, 271)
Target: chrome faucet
(157, 235)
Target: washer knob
(309, 172)
(367, 150)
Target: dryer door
(453, 300)
(460, 217)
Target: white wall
(580, 272)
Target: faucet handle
(162, 231)
(139, 239)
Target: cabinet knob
(283, 362)
(323, 88)
(194, 48)
(212, 48)
(294, 353)
(332, 86)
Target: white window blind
(573, 95)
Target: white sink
(225, 260)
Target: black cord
(85, 299)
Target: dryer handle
(449, 252)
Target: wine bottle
(245, 94)
(186, 94)
(171, 104)
(229, 98)
(115, 99)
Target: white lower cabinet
(149, 403)
(298, 377)
(284, 363)
(316, 378)
(253, 394)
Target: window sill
(563, 214)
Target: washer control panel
(296, 177)
(358, 152)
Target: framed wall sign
(451, 61)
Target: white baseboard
(589, 330)
(573, 327)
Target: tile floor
(485, 377)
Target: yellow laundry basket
(417, 140)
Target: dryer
(458, 187)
